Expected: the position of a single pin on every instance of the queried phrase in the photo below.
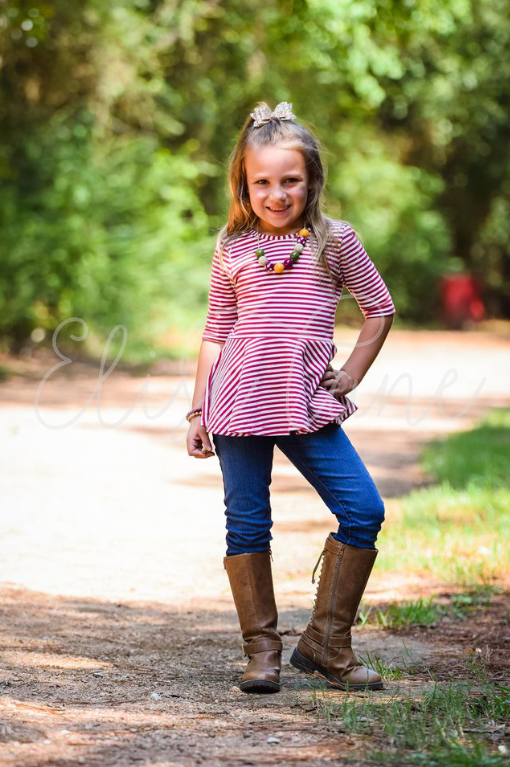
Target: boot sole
(303, 664)
(260, 686)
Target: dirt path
(119, 643)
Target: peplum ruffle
(269, 385)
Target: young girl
(264, 378)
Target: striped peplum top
(277, 331)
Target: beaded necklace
(287, 263)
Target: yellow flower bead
(304, 232)
(279, 267)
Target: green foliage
(392, 205)
(117, 119)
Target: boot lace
(317, 565)
(318, 583)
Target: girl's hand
(337, 382)
(197, 440)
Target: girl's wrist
(193, 413)
(354, 378)
(344, 383)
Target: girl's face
(278, 187)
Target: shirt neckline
(263, 235)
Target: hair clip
(282, 111)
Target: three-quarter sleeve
(222, 312)
(361, 278)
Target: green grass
(388, 671)
(426, 611)
(420, 612)
(409, 665)
(457, 530)
(453, 755)
(481, 596)
(481, 455)
(452, 723)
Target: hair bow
(282, 111)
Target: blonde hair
(292, 135)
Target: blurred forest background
(117, 119)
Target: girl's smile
(278, 187)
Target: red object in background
(461, 296)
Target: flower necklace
(287, 263)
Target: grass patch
(426, 611)
(409, 665)
(458, 529)
(421, 612)
(387, 670)
(464, 603)
(454, 755)
(480, 456)
(459, 536)
(451, 724)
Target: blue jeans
(326, 458)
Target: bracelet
(192, 413)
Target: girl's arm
(361, 278)
(221, 318)
(209, 351)
(198, 442)
(369, 344)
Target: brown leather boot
(251, 582)
(324, 649)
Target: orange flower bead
(279, 267)
(304, 232)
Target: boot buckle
(262, 644)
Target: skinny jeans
(326, 458)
